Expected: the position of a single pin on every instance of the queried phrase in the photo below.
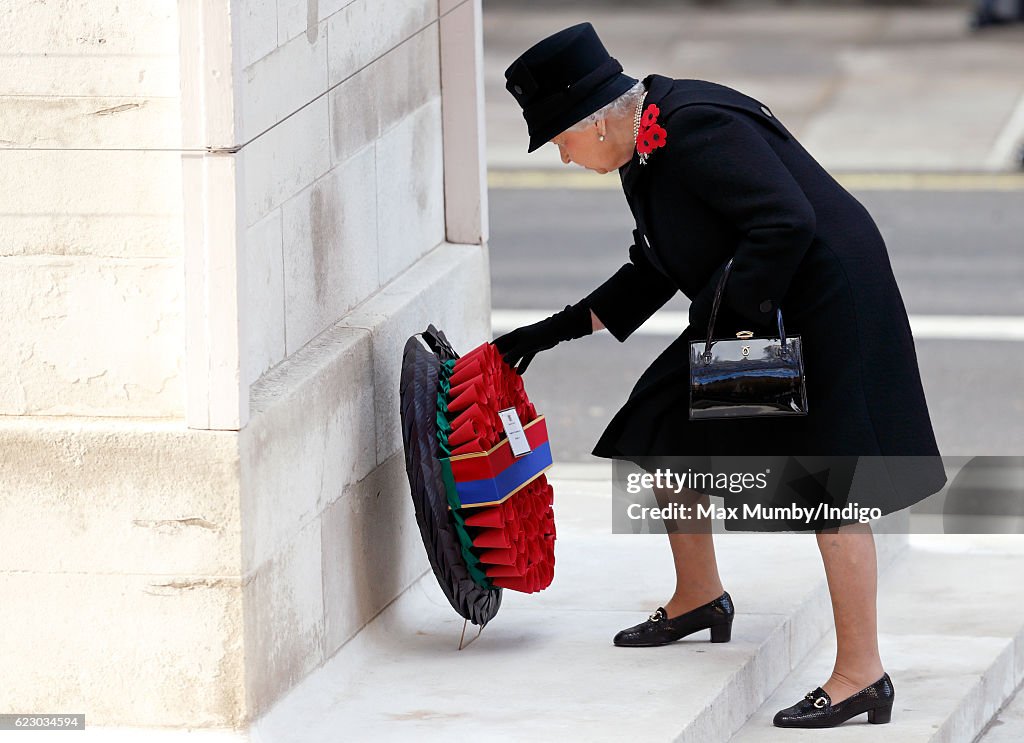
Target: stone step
(1008, 724)
(951, 637)
(545, 667)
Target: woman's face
(584, 148)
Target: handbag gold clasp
(745, 334)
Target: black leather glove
(519, 346)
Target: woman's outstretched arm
(631, 295)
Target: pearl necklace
(636, 119)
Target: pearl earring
(600, 138)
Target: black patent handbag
(746, 377)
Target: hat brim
(600, 97)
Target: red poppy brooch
(650, 136)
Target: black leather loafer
(660, 630)
(816, 710)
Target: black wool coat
(732, 181)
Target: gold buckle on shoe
(819, 702)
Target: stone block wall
(222, 219)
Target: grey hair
(625, 104)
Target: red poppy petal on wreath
(475, 394)
(468, 431)
(498, 557)
(513, 584)
(462, 372)
(486, 517)
(458, 389)
(492, 539)
(503, 571)
(482, 350)
(470, 447)
(473, 412)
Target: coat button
(766, 111)
(517, 89)
(766, 305)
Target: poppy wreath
(650, 135)
(484, 512)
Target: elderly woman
(712, 174)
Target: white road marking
(942, 327)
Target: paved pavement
(862, 88)
(545, 668)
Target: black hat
(563, 79)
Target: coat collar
(669, 94)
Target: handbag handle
(706, 355)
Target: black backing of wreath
(418, 388)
